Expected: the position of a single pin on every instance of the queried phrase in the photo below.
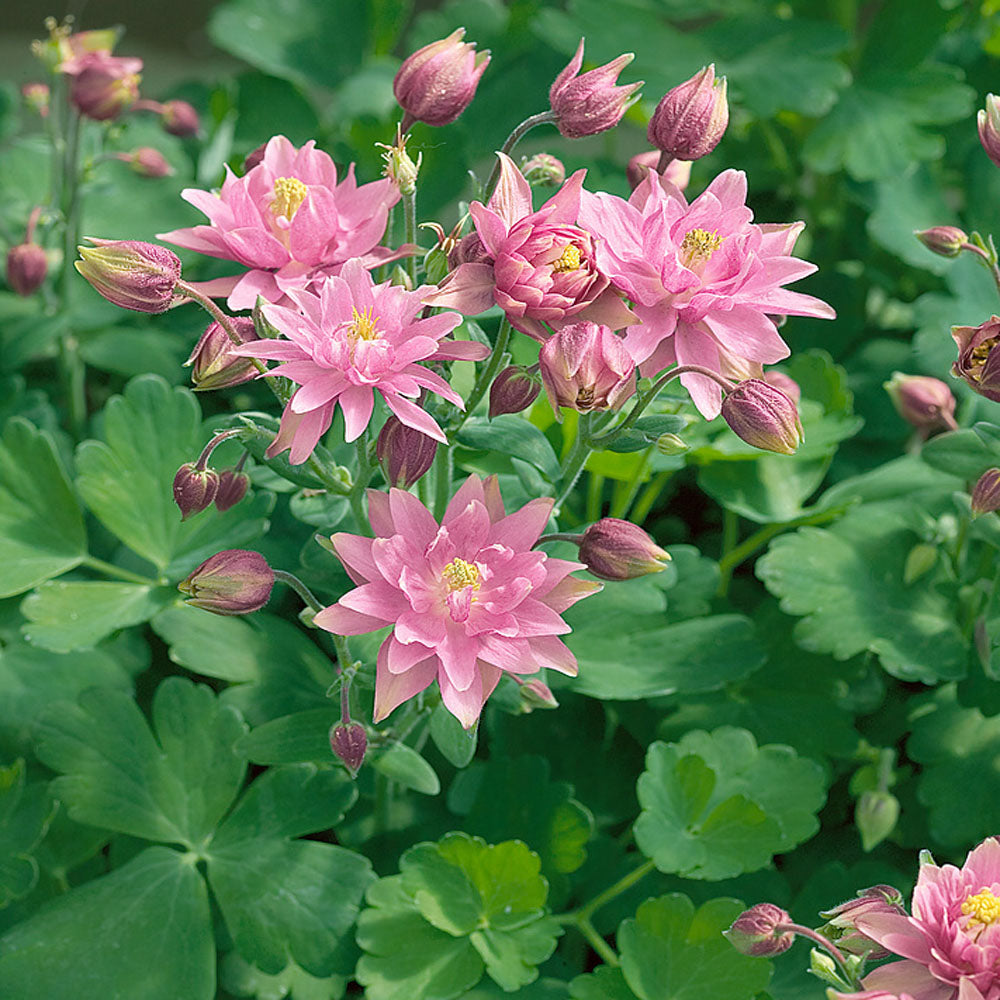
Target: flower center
(568, 260)
(982, 909)
(363, 326)
(585, 398)
(289, 193)
(979, 355)
(698, 246)
(459, 574)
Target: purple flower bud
(179, 118)
(213, 366)
(194, 489)
(678, 172)
(590, 103)
(103, 85)
(785, 383)
(986, 493)
(437, 82)
(537, 694)
(842, 927)
(543, 170)
(690, 120)
(513, 390)
(233, 486)
(763, 416)
(147, 162)
(404, 453)
(36, 96)
(978, 359)
(613, 549)
(946, 241)
(586, 366)
(349, 744)
(27, 266)
(234, 582)
(988, 122)
(133, 275)
(923, 402)
(758, 932)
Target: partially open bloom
(467, 599)
(988, 121)
(352, 339)
(704, 280)
(589, 103)
(613, 549)
(213, 364)
(923, 402)
(949, 945)
(760, 931)
(763, 416)
(131, 274)
(102, 86)
(842, 920)
(437, 82)
(539, 267)
(234, 582)
(978, 358)
(289, 221)
(586, 367)
(690, 120)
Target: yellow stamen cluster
(459, 574)
(699, 245)
(978, 357)
(983, 908)
(364, 326)
(569, 260)
(289, 193)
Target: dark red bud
(404, 453)
(194, 489)
(27, 266)
(513, 390)
(232, 489)
(349, 744)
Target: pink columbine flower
(704, 280)
(586, 367)
(539, 267)
(950, 944)
(352, 339)
(289, 221)
(468, 599)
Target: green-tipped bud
(760, 932)
(234, 582)
(537, 694)
(842, 927)
(543, 170)
(875, 816)
(923, 402)
(194, 489)
(613, 549)
(986, 493)
(133, 275)
(764, 416)
(945, 241)
(212, 363)
(671, 444)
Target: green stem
(622, 885)
(731, 559)
(487, 373)
(607, 953)
(443, 468)
(109, 569)
(73, 370)
(355, 497)
(629, 490)
(410, 227)
(595, 496)
(519, 132)
(649, 496)
(291, 580)
(575, 461)
(730, 536)
(827, 945)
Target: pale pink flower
(950, 945)
(348, 341)
(289, 221)
(704, 280)
(586, 367)
(468, 599)
(539, 267)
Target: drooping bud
(613, 549)
(587, 367)
(513, 390)
(133, 275)
(785, 383)
(842, 928)
(763, 416)
(923, 402)
(437, 82)
(233, 486)
(875, 816)
(537, 694)
(978, 358)
(234, 582)
(986, 493)
(27, 267)
(213, 365)
(590, 103)
(147, 162)
(179, 118)
(946, 241)
(678, 172)
(194, 489)
(690, 120)
(404, 453)
(758, 931)
(103, 85)
(988, 121)
(349, 744)
(36, 96)
(543, 170)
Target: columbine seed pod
(613, 549)
(234, 582)
(690, 120)
(513, 390)
(404, 453)
(133, 275)
(27, 267)
(946, 241)
(763, 416)
(194, 489)
(758, 932)
(349, 744)
(923, 402)
(986, 493)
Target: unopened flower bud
(988, 121)
(349, 744)
(213, 365)
(537, 694)
(400, 277)
(543, 170)
(179, 118)
(920, 561)
(590, 103)
(27, 266)
(923, 402)
(758, 932)
(513, 390)
(36, 96)
(103, 85)
(763, 416)
(194, 489)
(842, 928)
(613, 549)
(785, 383)
(147, 162)
(875, 816)
(690, 120)
(233, 486)
(254, 157)
(986, 493)
(946, 241)
(404, 453)
(234, 582)
(133, 275)
(678, 172)
(671, 444)
(978, 357)
(587, 367)
(437, 82)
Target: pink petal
(522, 529)
(469, 289)
(554, 654)
(471, 490)
(355, 552)
(411, 518)
(344, 621)
(461, 350)
(511, 198)
(466, 705)
(401, 657)
(377, 600)
(391, 690)
(357, 404)
(908, 977)
(414, 416)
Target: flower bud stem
(559, 536)
(520, 131)
(987, 253)
(665, 160)
(443, 471)
(206, 452)
(410, 230)
(487, 373)
(575, 460)
(291, 580)
(827, 945)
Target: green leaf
(457, 744)
(965, 453)
(291, 739)
(714, 805)
(41, 526)
(145, 931)
(25, 814)
(402, 763)
(242, 979)
(135, 352)
(604, 983)
(173, 788)
(509, 434)
(63, 616)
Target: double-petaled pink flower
(347, 342)
(289, 221)
(950, 945)
(539, 267)
(468, 599)
(705, 281)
